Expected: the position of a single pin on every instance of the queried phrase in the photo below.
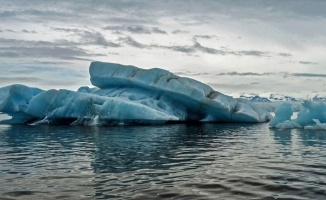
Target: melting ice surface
(126, 94)
(313, 116)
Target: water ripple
(209, 161)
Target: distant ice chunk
(282, 113)
(14, 101)
(313, 116)
(318, 125)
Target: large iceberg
(127, 95)
(312, 116)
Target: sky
(251, 47)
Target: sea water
(181, 161)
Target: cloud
(307, 63)
(284, 74)
(11, 48)
(136, 29)
(43, 76)
(177, 31)
(27, 31)
(132, 42)
(253, 53)
(243, 74)
(205, 36)
(190, 49)
(284, 54)
(308, 75)
(86, 37)
(64, 53)
(96, 38)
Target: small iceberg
(312, 116)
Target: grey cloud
(244, 74)
(132, 42)
(10, 31)
(177, 31)
(280, 74)
(209, 50)
(189, 49)
(65, 53)
(37, 82)
(52, 63)
(60, 49)
(284, 54)
(43, 76)
(24, 43)
(136, 29)
(284, 74)
(309, 75)
(189, 73)
(96, 38)
(157, 30)
(253, 53)
(37, 14)
(205, 36)
(7, 54)
(307, 63)
(27, 31)
(74, 30)
(11, 48)
(236, 9)
(20, 79)
(87, 37)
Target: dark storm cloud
(136, 29)
(307, 63)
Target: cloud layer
(218, 38)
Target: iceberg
(126, 94)
(312, 116)
(14, 101)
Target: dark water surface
(209, 161)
